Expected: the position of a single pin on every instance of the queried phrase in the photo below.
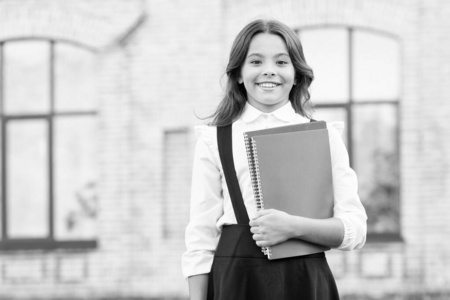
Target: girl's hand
(271, 227)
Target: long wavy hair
(232, 104)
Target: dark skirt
(241, 271)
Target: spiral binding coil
(252, 156)
(258, 194)
(253, 171)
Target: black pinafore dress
(240, 270)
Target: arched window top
(361, 65)
(59, 77)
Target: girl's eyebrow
(260, 55)
(282, 54)
(254, 54)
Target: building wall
(161, 63)
(99, 272)
(433, 148)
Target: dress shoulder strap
(224, 142)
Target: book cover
(290, 168)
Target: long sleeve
(348, 207)
(202, 234)
(211, 206)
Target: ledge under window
(45, 244)
(384, 238)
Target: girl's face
(267, 73)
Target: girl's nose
(269, 73)
(269, 69)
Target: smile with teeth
(268, 85)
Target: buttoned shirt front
(211, 206)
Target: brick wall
(160, 62)
(98, 272)
(434, 149)
(175, 73)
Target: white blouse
(211, 206)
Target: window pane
(333, 115)
(75, 79)
(376, 67)
(326, 51)
(26, 77)
(377, 165)
(75, 177)
(27, 179)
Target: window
(48, 114)
(357, 80)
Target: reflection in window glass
(326, 52)
(333, 115)
(26, 77)
(74, 79)
(375, 67)
(75, 177)
(27, 179)
(377, 163)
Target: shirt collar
(285, 113)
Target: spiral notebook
(290, 169)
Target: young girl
(268, 81)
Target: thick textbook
(290, 168)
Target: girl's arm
(198, 287)
(346, 230)
(206, 207)
(271, 227)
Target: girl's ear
(240, 80)
(295, 81)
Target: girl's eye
(282, 62)
(255, 62)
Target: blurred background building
(98, 100)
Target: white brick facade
(160, 62)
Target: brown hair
(233, 103)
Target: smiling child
(268, 81)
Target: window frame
(49, 242)
(349, 105)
